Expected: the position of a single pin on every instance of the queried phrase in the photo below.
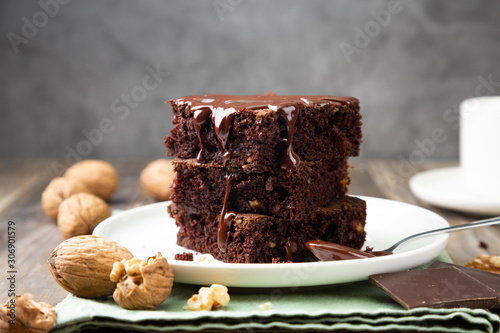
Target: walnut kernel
(142, 285)
(57, 191)
(157, 177)
(80, 214)
(255, 204)
(486, 262)
(265, 306)
(28, 316)
(100, 177)
(209, 298)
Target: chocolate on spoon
(327, 251)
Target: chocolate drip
(288, 250)
(290, 112)
(222, 119)
(226, 218)
(201, 116)
(326, 251)
(225, 157)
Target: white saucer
(445, 188)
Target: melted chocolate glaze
(226, 218)
(222, 108)
(201, 117)
(290, 113)
(288, 250)
(326, 251)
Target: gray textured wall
(85, 67)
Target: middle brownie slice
(289, 194)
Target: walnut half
(23, 314)
(142, 285)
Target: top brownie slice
(259, 133)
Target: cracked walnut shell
(57, 191)
(99, 177)
(22, 314)
(80, 214)
(82, 264)
(142, 285)
(157, 177)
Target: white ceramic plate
(148, 229)
(444, 187)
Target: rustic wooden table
(21, 185)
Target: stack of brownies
(260, 175)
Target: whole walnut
(142, 285)
(22, 314)
(99, 177)
(82, 264)
(80, 214)
(57, 191)
(157, 177)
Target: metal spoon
(329, 251)
(477, 224)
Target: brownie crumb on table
(184, 256)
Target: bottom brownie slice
(255, 238)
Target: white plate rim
(378, 264)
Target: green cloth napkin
(354, 307)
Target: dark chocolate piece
(446, 287)
(492, 280)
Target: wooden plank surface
(21, 185)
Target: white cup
(480, 144)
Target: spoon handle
(482, 223)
